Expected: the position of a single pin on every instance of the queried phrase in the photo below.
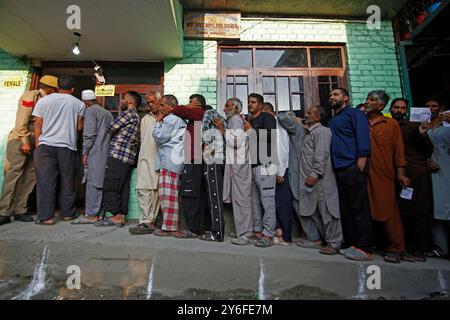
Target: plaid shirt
(125, 134)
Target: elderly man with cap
(95, 155)
(20, 179)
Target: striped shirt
(125, 134)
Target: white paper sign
(420, 114)
(407, 193)
(446, 124)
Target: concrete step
(116, 265)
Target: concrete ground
(115, 265)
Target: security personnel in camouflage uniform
(20, 179)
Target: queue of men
(357, 183)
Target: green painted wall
(371, 55)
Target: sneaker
(4, 220)
(23, 218)
(354, 253)
(264, 243)
(241, 241)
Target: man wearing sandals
(59, 117)
(350, 149)
(169, 135)
(319, 201)
(95, 154)
(386, 170)
(123, 149)
(147, 176)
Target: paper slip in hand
(307, 188)
(406, 193)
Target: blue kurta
(440, 137)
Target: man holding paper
(415, 211)
(386, 168)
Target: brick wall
(10, 68)
(195, 73)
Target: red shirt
(193, 140)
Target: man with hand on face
(169, 134)
(192, 185)
(147, 174)
(350, 150)
(123, 150)
(416, 212)
(386, 170)
(20, 179)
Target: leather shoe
(4, 220)
(23, 218)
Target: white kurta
(147, 176)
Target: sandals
(83, 220)
(44, 222)
(187, 234)
(108, 223)
(164, 233)
(72, 217)
(328, 250)
(308, 244)
(141, 228)
(392, 257)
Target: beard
(398, 116)
(123, 107)
(336, 105)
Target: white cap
(87, 95)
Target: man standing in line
(59, 117)
(122, 156)
(387, 168)
(193, 189)
(95, 155)
(169, 134)
(237, 185)
(20, 179)
(262, 141)
(214, 158)
(283, 194)
(296, 132)
(350, 150)
(416, 213)
(147, 174)
(319, 200)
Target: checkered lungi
(168, 196)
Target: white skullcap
(87, 95)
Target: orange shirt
(387, 155)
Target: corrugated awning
(129, 30)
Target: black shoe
(4, 220)
(23, 218)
